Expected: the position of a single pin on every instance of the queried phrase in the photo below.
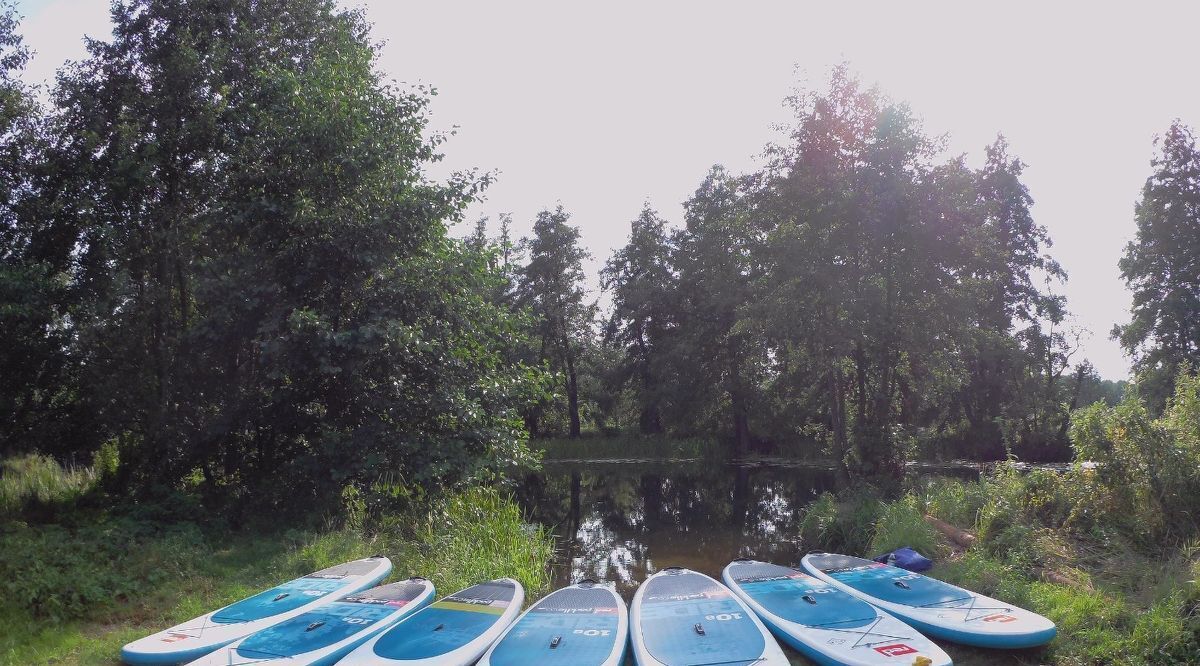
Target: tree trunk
(741, 426)
(572, 388)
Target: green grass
(1115, 599)
(75, 592)
(36, 480)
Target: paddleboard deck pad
(195, 638)
(683, 618)
(933, 607)
(825, 624)
(453, 631)
(327, 633)
(581, 625)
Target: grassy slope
(1113, 603)
(75, 592)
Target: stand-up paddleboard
(196, 638)
(453, 631)
(683, 618)
(327, 633)
(827, 625)
(581, 625)
(935, 608)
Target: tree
(1016, 347)
(720, 346)
(273, 293)
(1162, 268)
(38, 390)
(641, 279)
(551, 287)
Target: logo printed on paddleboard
(175, 638)
(999, 617)
(894, 650)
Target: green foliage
(841, 524)
(1159, 266)
(902, 523)
(1144, 479)
(233, 267)
(641, 279)
(550, 286)
(479, 535)
(60, 574)
(36, 484)
(76, 594)
(955, 502)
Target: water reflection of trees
(623, 522)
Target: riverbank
(75, 588)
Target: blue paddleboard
(580, 625)
(195, 638)
(933, 607)
(327, 633)
(683, 618)
(453, 631)
(827, 625)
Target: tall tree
(38, 392)
(718, 270)
(642, 282)
(1162, 268)
(551, 286)
(1016, 347)
(273, 288)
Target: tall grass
(36, 480)
(74, 594)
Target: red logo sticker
(1000, 617)
(895, 650)
(171, 638)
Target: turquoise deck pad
(781, 591)
(330, 624)
(570, 627)
(893, 584)
(448, 624)
(286, 597)
(673, 606)
(204, 636)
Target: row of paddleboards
(844, 610)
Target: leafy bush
(1146, 480)
(954, 501)
(59, 573)
(902, 523)
(79, 592)
(843, 524)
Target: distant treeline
(223, 270)
(860, 296)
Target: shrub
(902, 523)
(844, 524)
(1146, 480)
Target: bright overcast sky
(605, 105)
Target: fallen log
(962, 538)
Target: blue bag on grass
(906, 558)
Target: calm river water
(622, 520)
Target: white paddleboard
(327, 633)
(682, 618)
(931, 606)
(580, 625)
(453, 631)
(195, 638)
(825, 624)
